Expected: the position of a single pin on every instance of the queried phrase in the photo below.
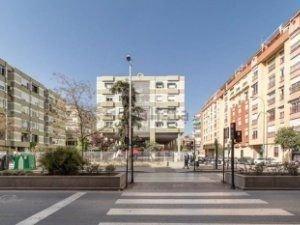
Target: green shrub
(110, 168)
(259, 169)
(62, 161)
(291, 168)
(16, 173)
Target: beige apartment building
(25, 118)
(163, 101)
(260, 97)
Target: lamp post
(129, 60)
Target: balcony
(254, 78)
(254, 122)
(107, 104)
(294, 90)
(271, 101)
(167, 104)
(167, 129)
(295, 70)
(107, 130)
(108, 117)
(271, 85)
(172, 91)
(105, 92)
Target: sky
(204, 40)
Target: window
(108, 85)
(172, 85)
(159, 98)
(295, 106)
(276, 152)
(271, 115)
(172, 124)
(171, 98)
(34, 138)
(295, 49)
(2, 103)
(271, 65)
(109, 98)
(282, 74)
(159, 85)
(255, 75)
(25, 137)
(254, 122)
(271, 81)
(254, 89)
(35, 88)
(2, 70)
(171, 110)
(255, 107)
(281, 93)
(159, 124)
(108, 124)
(254, 134)
(281, 115)
(2, 86)
(281, 59)
(25, 124)
(295, 68)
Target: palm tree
(122, 88)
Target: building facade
(163, 101)
(261, 97)
(197, 128)
(24, 118)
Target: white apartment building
(163, 101)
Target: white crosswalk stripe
(184, 194)
(138, 223)
(190, 201)
(200, 212)
(210, 203)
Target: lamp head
(128, 58)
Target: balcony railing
(271, 101)
(271, 84)
(295, 87)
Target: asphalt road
(155, 199)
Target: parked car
(246, 160)
(260, 161)
(272, 161)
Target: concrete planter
(82, 182)
(248, 182)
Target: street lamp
(129, 60)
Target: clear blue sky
(203, 40)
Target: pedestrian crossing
(168, 208)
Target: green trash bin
(25, 161)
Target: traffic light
(238, 136)
(232, 130)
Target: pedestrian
(186, 161)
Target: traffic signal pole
(232, 136)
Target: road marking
(190, 201)
(201, 212)
(184, 194)
(50, 210)
(116, 223)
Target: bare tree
(79, 96)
